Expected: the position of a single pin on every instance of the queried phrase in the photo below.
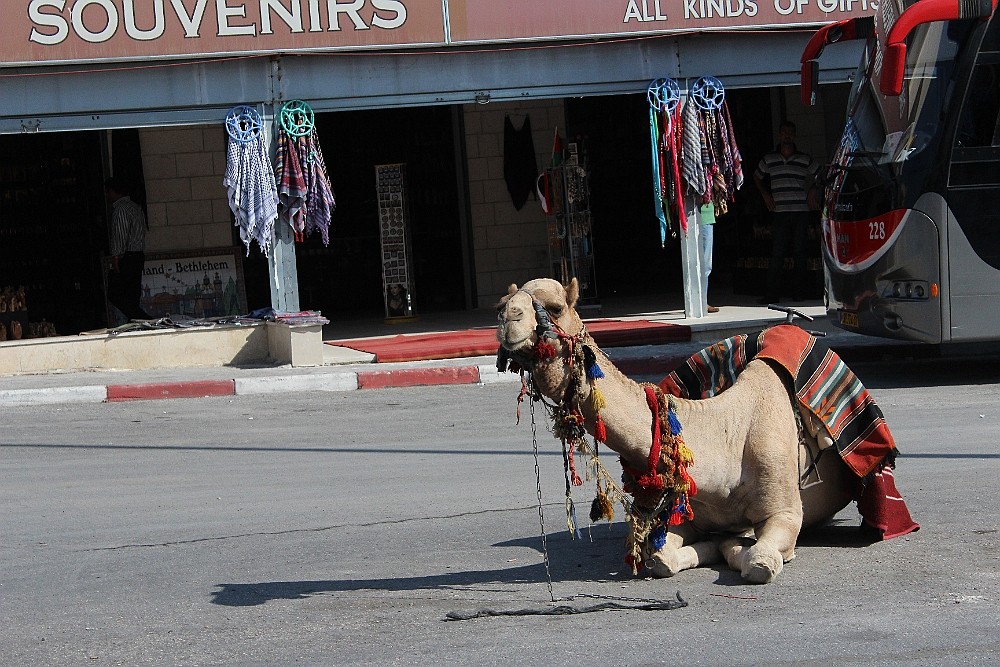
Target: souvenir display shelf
(570, 226)
(394, 232)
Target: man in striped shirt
(786, 179)
(127, 237)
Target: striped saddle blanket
(825, 387)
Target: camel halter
(661, 499)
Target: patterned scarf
(253, 197)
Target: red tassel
(545, 350)
(600, 432)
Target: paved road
(339, 529)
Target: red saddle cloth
(828, 389)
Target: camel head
(539, 309)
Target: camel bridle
(547, 329)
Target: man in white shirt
(127, 240)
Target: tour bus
(911, 219)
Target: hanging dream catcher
(663, 95)
(297, 118)
(243, 124)
(708, 93)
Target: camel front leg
(759, 561)
(677, 555)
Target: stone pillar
(694, 300)
(281, 263)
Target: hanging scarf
(692, 168)
(320, 202)
(292, 185)
(304, 190)
(251, 190)
(659, 196)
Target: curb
(145, 392)
(385, 379)
(344, 381)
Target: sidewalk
(348, 370)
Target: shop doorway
(52, 227)
(345, 278)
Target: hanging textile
(520, 167)
(692, 164)
(249, 182)
(305, 195)
(320, 201)
(712, 164)
(664, 130)
(292, 187)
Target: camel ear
(572, 292)
(511, 289)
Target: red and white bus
(911, 219)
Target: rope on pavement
(564, 610)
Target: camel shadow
(595, 557)
(569, 560)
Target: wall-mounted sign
(50, 31)
(205, 284)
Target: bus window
(980, 121)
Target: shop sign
(209, 284)
(52, 31)
(492, 21)
(94, 30)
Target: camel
(740, 498)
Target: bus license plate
(849, 319)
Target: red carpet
(482, 342)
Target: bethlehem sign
(209, 285)
(51, 31)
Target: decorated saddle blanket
(826, 388)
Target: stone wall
(510, 245)
(186, 201)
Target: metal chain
(538, 491)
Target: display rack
(394, 231)
(570, 225)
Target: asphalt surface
(342, 527)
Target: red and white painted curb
(323, 381)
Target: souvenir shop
(410, 209)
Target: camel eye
(557, 311)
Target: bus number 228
(876, 230)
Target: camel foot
(761, 566)
(667, 562)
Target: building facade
(90, 88)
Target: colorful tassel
(658, 538)
(600, 432)
(675, 425)
(597, 399)
(545, 350)
(602, 507)
(590, 364)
